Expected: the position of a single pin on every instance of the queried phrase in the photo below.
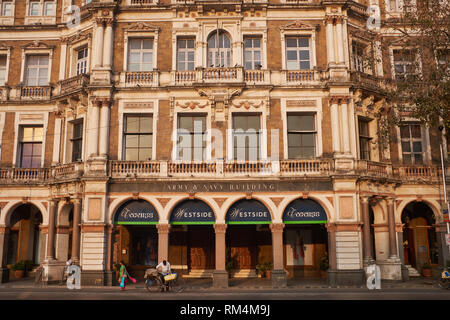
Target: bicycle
(153, 282)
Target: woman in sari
(123, 274)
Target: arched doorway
(420, 244)
(305, 238)
(192, 238)
(26, 241)
(248, 237)
(136, 237)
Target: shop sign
(192, 212)
(304, 211)
(447, 239)
(248, 212)
(138, 212)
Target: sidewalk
(241, 284)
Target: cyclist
(165, 270)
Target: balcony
(373, 169)
(299, 77)
(419, 174)
(73, 84)
(140, 79)
(368, 81)
(184, 77)
(68, 171)
(257, 77)
(225, 75)
(142, 2)
(34, 92)
(24, 175)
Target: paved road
(308, 294)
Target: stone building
(220, 135)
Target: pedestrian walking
(123, 275)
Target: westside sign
(304, 211)
(136, 212)
(248, 212)
(192, 212)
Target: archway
(25, 242)
(248, 237)
(192, 238)
(420, 244)
(305, 238)
(136, 237)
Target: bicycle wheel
(177, 285)
(153, 284)
(443, 283)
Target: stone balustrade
(73, 84)
(118, 169)
(299, 77)
(35, 92)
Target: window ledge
(40, 20)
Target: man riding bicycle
(165, 270)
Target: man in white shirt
(165, 267)
(165, 270)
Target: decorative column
(220, 276)
(278, 275)
(104, 129)
(94, 128)
(57, 139)
(63, 59)
(367, 245)
(163, 241)
(330, 39)
(391, 222)
(335, 126)
(345, 125)
(98, 54)
(76, 231)
(4, 271)
(340, 39)
(53, 206)
(108, 44)
(109, 278)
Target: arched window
(219, 49)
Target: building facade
(220, 135)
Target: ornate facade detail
(192, 105)
(247, 104)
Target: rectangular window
(404, 64)
(82, 60)
(364, 139)
(7, 8)
(2, 70)
(36, 72)
(191, 142)
(140, 55)
(185, 54)
(138, 137)
(395, 5)
(49, 8)
(252, 53)
(35, 8)
(31, 146)
(77, 141)
(246, 137)
(358, 57)
(298, 53)
(412, 145)
(301, 135)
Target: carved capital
(220, 228)
(163, 228)
(276, 227)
